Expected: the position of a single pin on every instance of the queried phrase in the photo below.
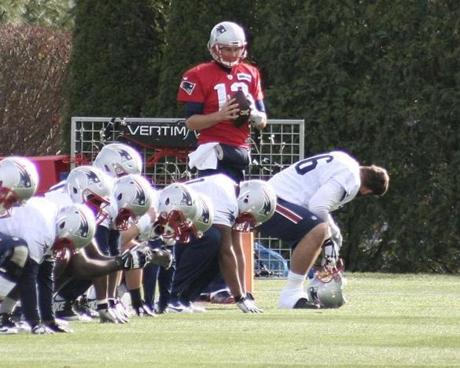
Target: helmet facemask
(61, 244)
(174, 226)
(124, 219)
(218, 53)
(245, 222)
(97, 204)
(8, 199)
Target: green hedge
(115, 57)
(380, 80)
(377, 79)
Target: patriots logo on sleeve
(187, 86)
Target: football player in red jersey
(207, 91)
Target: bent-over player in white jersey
(308, 191)
(199, 262)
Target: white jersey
(35, 222)
(321, 183)
(221, 190)
(58, 195)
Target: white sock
(294, 281)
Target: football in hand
(245, 108)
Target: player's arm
(82, 267)
(228, 262)
(258, 116)
(92, 251)
(327, 198)
(196, 120)
(241, 261)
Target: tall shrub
(33, 63)
(115, 48)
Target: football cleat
(86, 307)
(178, 307)
(59, 327)
(222, 296)
(196, 308)
(65, 310)
(304, 303)
(7, 325)
(295, 299)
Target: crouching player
(236, 208)
(308, 191)
(52, 230)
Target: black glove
(247, 305)
(136, 257)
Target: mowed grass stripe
(389, 321)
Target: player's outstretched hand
(136, 257)
(162, 257)
(248, 305)
(41, 330)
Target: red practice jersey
(210, 84)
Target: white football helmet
(204, 216)
(133, 196)
(177, 209)
(227, 34)
(326, 289)
(118, 159)
(75, 227)
(18, 182)
(256, 204)
(90, 186)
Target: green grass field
(389, 321)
